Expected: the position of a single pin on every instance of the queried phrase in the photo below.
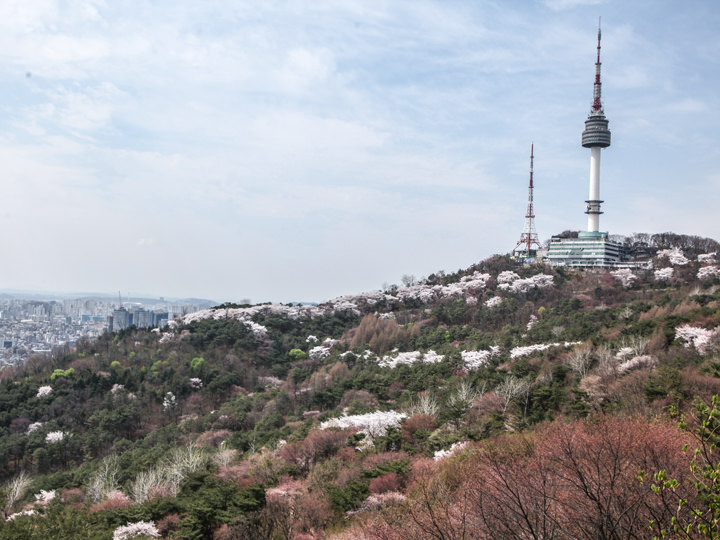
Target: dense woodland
(499, 401)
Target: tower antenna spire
(597, 87)
(529, 237)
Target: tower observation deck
(595, 136)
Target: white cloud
(304, 70)
(568, 4)
(688, 105)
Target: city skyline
(277, 152)
(33, 326)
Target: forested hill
(500, 401)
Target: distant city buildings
(139, 317)
(29, 326)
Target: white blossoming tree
(708, 258)
(54, 437)
(34, 427)
(410, 358)
(373, 424)
(44, 497)
(637, 362)
(522, 286)
(675, 256)
(44, 391)
(454, 448)
(473, 360)
(319, 352)
(508, 276)
(700, 338)
(624, 276)
(708, 272)
(139, 529)
(664, 274)
(169, 401)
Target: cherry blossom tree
(539, 281)
(44, 391)
(664, 274)
(44, 497)
(700, 338)
(473, 360)
(454, 448)
(625, 277)
(531, 322)
(708, 258)
(525, 350)
(675, 256)
(637, 362)
(373, 424)
(169, 401)
(507, 276)
(34, 427)
(410, 358)
(54, 437)
(136, 530)
(707, 272)
(319, 352)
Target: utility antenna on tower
(120, 299)
(529, 237)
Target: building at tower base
(588, 250)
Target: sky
(299, 151)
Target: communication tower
(529, 237)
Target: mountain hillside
(499, 401)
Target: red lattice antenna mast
(529, 237)
(597, 88)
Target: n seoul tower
(595, 137)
